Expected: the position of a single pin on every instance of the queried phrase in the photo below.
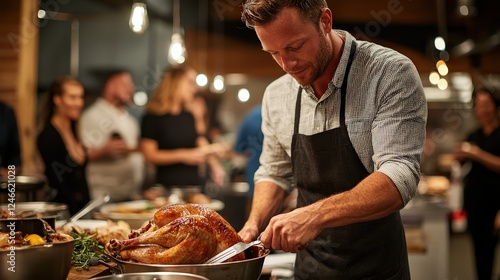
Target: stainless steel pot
(50, 261)
(27, 225)
(24, 184)
(249, 269)
(39, 209)
(152, 276)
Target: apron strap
(343, 88)
(297, 112)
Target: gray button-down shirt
(386, 115)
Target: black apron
(325, 164)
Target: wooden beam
(27, 49)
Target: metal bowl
(39, 209)
(27, 225)
(49, 261)
(27, 185)
(23, 182)
(153, 276)
(249, 269)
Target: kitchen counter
(94, 271)
(427, 229)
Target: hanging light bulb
(201, 80)
(243, 95)
(177, 50)
(218, 85)
(138, 21)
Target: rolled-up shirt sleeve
(398, 130)
(275, 162)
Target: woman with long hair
(482, 183)
(63, 155)
(173, 133)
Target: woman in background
(482, 183)
(62, 153)
(173, 135)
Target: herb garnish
(82, 252)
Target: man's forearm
(373, 198)
(267, 201)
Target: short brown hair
(261, 12)
(490, 92)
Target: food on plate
(20, 239)
(35, 239)
(131, 210)
(89, 239)
(119, 230)
(199, 198)
(178, 234)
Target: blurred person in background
(111, 134)
(172, 138)
(10, 149)
(248, 142)
(482, 183)
(62, 152)
(345, 126)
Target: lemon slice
(35, 239)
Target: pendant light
(138, 21)
(177, 50)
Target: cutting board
(94, 271)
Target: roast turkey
(178, 234)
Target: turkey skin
(178, 234)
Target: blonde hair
(167, 91)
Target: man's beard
(321, 62)
(121, 103)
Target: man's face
(298, 47)
(485, 108)
(123, 89)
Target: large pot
(27, 225)
(152, 276)
(49, 261)
(38, 209)
(22, 184)
(249, 269)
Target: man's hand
(292, 231)
(249, 232)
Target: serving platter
(137, 212)
(85, 223)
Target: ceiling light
(442, 84)
(243, 95)
(439, 43)
(140, 98)
(201, 80)
(138, 21)
(177, 50)
(42, 14)
(218, 85)
(443, 70)
(434, 78)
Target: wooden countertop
(94, 271)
